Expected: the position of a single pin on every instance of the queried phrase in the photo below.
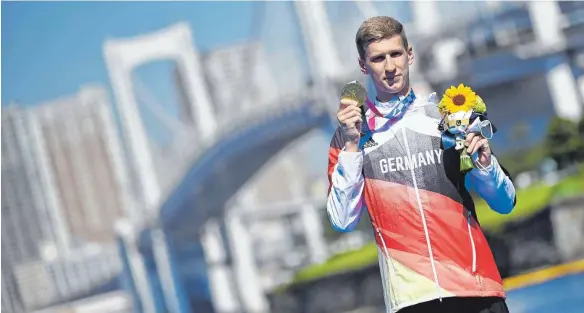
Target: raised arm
(345, 169)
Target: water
(564, 294)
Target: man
(433, 255)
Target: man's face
(388, 62)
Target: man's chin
(394, 88)
(387, 88)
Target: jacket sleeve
(494, 186)
(345, 194)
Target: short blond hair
(378, 28)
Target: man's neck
(390, 96)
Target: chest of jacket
(406, 157)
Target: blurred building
(111, 302)
(88, 271)
(31, 221)
(11, 300)
(239, 77)
(32, 226)
(84, 157)
(525, 62)
(65, 188)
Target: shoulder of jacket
(425, 100)
(433, 98)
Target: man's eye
(396, 54)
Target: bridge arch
(217, 173)
(122, 56)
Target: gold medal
(355, 91)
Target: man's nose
(389, 65)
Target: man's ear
(362, 65)
(411, 55)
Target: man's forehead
(385, 45)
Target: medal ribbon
(396, 112)
(399, 107)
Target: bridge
(192, 232)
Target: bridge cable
(159, 110)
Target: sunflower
(457, 99)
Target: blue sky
(50, 49)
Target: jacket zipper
(419, 201)
(472, 244)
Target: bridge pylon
(122, 56)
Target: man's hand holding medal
(351, 114)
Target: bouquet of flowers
(463, 112)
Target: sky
(51, 49)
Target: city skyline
(67, 188)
